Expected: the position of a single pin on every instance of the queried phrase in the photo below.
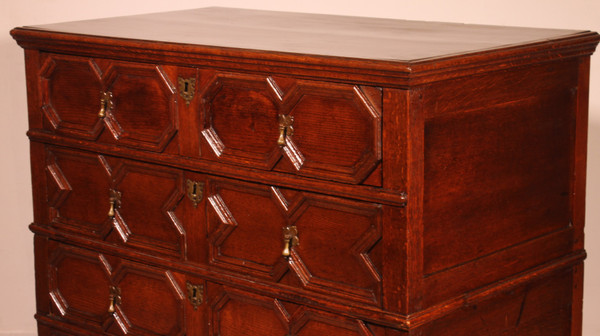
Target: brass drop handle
(286, 249)
(290, 239)
(285, 128)
(114, 298)
(106, 103)
(115, 202)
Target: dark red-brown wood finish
(237, 172)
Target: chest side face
(498, 167)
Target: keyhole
(194, 292)
(194, 189)
(185, 86)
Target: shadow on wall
(591, 325)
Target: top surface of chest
(310, 34)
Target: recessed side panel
(497, 175)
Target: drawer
(130, 104)
(113, 296)
(95, 293)
(316, 129)
(124, 202)
(311, 242)
(240, 313)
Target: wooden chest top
(393, 47)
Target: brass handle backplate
(115, 202)
(285, 128)
(106, 103)
(290, 239)
(114, 297)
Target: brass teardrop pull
(106, 103)
(290, 239)
(114, 298)
(115, 202)
(286, 249)
(285, 128)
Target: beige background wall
(16, 258)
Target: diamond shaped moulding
(144, 113)
(305, 322)
(240, 119)
(337, 130)
(229, 304)
(78, 282)
(244, 220)
(146, 216)
(336, 239)
(70, 90)
(157, 291)
(77, 192)
(334, 130)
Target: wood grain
(434, 174)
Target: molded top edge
(388, 40)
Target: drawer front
(234, 312)
(316, 129)
(114, 296)
(125, 202)
(314, 242)
(85, 98)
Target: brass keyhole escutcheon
(290, 239)
(187, 87)
(195, 294)
(195, 191)
(285, 128)
(106, 103)
(114, 298)
(115, 202)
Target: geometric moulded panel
(337, 130)
(143, 113)
(246, 225)
(151, 301)
(316, 129)
(70, 93)
(78, 185)
(113, 296)
(270, 317)
(120, 201)
(148, 199)
(240, 120)
(79, 283)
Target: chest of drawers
(237, 172)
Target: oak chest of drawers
(237, 172)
